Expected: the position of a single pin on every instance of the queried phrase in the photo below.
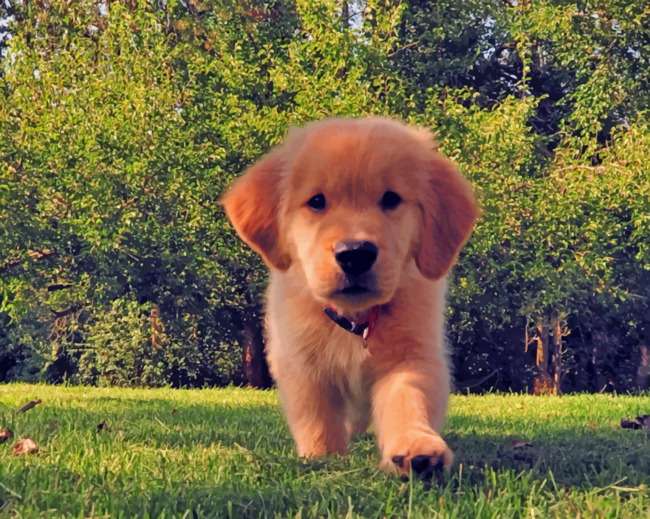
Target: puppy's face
(351, 212)
(348, 204)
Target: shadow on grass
(571, 456)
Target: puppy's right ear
(252, 205)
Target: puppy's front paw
(425, 454)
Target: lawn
(227, 453)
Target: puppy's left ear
(449, 211)
(252, 205)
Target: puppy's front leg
(314, 412)
(409, 407)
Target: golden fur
(331, 387)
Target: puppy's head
(347, 204)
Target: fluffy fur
(331, 387)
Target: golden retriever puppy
(359, 221)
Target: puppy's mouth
(355, 290)
(358, 287)
(355, 294)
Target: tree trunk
(557, 355)
(643, 373)
(542, 383)
(256, 368)
(156, 326)
(345, 14)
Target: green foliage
(119, 129)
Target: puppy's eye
(390, 200)
(317, 202)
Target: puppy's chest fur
(346, 363)
(299, 336)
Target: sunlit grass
(227, 452)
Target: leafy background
(121, 123)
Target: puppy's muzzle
(355, 257)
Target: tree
(122, 123)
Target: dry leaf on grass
(520, 444)
(29, 405)
(25, 446)
(5, 434)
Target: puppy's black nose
(355, 257)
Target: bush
(129, 344)
(122, 128)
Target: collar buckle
(363, 330)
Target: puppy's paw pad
(426, 457)
(421, 463)
(426, 467)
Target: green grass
(227, 452)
